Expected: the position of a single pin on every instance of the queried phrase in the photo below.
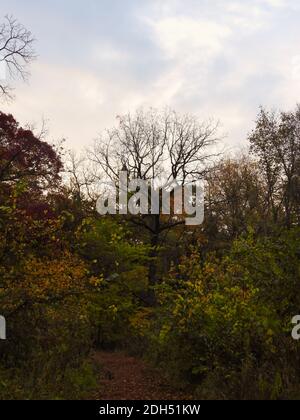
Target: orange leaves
(44, 279)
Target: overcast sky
(100, 58)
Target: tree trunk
(152, 275)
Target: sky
(98, 59)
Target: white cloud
(77, 103)
(189, 45)
(104, 52)
(182, 36)
(275, 3)
(219, 59)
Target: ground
(125, 377)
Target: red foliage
(24, 156)
(29, 169)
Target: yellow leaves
(115, 238)
(209, 269)
(96, 282)
(45, 278)
(113, 310)
(140, 321)
(164, 332)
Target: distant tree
(234, 200)
(80, 180)
(275, 141)
(16, 52)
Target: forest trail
(125, 377)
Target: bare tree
(149, 145)
(235, 195)
(79, 178)
(275, 141)
(16, 52)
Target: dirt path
(127, 378)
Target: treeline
(211, 305)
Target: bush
(217, 327)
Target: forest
(209, 306)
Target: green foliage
(109, 246)
(121, 264)
(72, 281)
(43, 284)
(76, 382)
(217, 326)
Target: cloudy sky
(100, 58)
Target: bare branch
(16, 53)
